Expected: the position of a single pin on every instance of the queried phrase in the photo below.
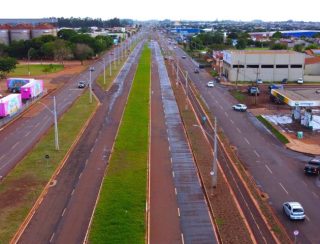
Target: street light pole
(104, 71)
(56, 133)
(90, 85)
(187, 93)
(214, 163)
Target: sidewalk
(303, 145)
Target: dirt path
(164, 220)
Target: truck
(10, 104)
(32, 89)
(14, 84)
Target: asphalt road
(276, 170)
(21, 135)
(65, 212)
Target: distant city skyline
(204, 10)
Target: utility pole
(90, 85)
(187, 93)
(215, 154)
(104, 71)
(237, 76)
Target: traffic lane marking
(283, 188)
(246, 140)
(238, 130)
(268, 169)
(256, 153)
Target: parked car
(196, 70)
(253, 90)
(284, 81)
(312, 167)
(210, 84)
(300, 81)
(293, 210)
(184, 57)
(259, 81)
(81, 84)
(240, 107)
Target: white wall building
(268, 65)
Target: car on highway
(196, 71)
(184, 57)
(293, 210)
(312, 167)
(240, 107)
(210, 84)
(81, 84)
(300, 81)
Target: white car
(210, 84)
(300, 81)
(240, 107)
(259, 81)
(293, 210)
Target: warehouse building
(267, 65)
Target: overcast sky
(267, 10)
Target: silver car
(294, 210)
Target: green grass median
(21, 188)
(274, 131)
(120, 213)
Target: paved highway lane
(65, 213)
(276, 170)
(21, 135)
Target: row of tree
(68, 44)
(216, 41)
(89, 22)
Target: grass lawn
(21, 188)
(120, 213)
(274, 131)
(36, 69)
(109, 79)
(238, 95)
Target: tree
(66, 34)
(82, 52)
(7, 64)
(312, 46)
(61, 51)
(48, 50)
(298, 48)
(278, 46)
(242, 44)
(277, 35)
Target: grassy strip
(274, 131)
(120, 213)
(21, 188)
(36, 69)
(238, 95)
(114, 72)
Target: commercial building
(268, 65)
(25, 29)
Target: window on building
(296, 66)
(238, 66)
(255, 66)
(281, 66)
(267, 66)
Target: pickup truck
(312, 167)
(253, 90)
